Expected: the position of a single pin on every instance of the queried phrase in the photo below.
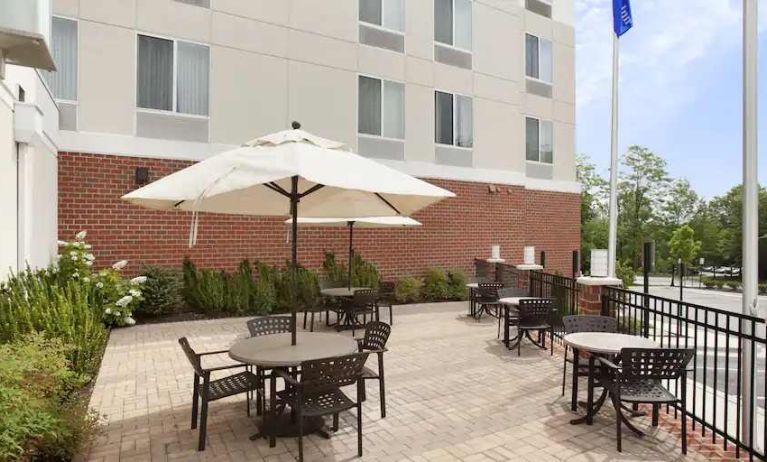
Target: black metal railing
(563, 290)
(720, 339)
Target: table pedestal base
(285, 427)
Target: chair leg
(655, 412)
(382, 386)
(327, 318)
(272, 412)
(684, 413)
(519, 343)
(311, 328)
(359, 429)
(195, 400)
(260, 388)
(203, 417)
(391, 315)
(564, 373)
(335, 422)
(300, 437)
(551, 340)
(618, 423)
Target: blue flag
(622, 21)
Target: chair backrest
(535, 310)
(507, 275)
(589, 323)
(488, 291)
(654, 363)
(386, 288)
(364, 297)
(191, 355)
(506, 292)
(327, 373)
(376, 335)
(267, 325)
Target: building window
(539, 136)
(381, 108)
(538, 58)
(389, 14)
(541, 7)
(173, 75)
(454, 124)
(452, 23)
(63, 82)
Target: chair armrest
(359, 344)
(608, 363)
(281, 373)
(207, 353)
(222, 368)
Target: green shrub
(719, 283)
(734, 285)
(408, 290)
(161, 292)
(364, 273)
(709, 282)
(34, 301)
(625, 273)
(763, 288)
(45, 416)
(435, 287)
(456, 283)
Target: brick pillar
(590, 293)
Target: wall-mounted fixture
(142, 176)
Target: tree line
(655, 207)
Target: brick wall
(454, 231)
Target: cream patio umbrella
(365, 222)
(278, 173)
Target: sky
(680, 87)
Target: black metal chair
(376, 335)
(386, 298)
(331, 304)
(266, 325)
(318, 393)
(508, 292)
(584, 323)
(535, 315)
(486, 299)
(639, 378)
(482, 269)
(362, 303)
(212, 390)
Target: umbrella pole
(294, 197)
(351, 251)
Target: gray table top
(606, 343)
(513, 300)
(276, 351)
(341, 291)
(472, 285)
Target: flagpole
(750, 257)
(613, 225)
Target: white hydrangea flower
(88, 246)
(138, 280)
(120, 265)
(86, 279)
(57, 258)
(108, 311)
(123, 302)
(73, 253)
(89, 256)
(135, 293)
(81, 235)
(99, 285)
(73, 257)
(88, 263)
(75, 275)
(129, 321)
(62, 243)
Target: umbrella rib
(311, 190)
(388, 203)
(277, 188)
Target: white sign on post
(599, 262)
(529, 255)
(495, 252)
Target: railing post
(576, 264)
(647, 251)
(543, 258)
(605, 311)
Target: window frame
(75, 101)
(209, 7)
(538, 79)
(383, 109)
(452, 45)
(174, 89)
(381, 26)
(550, 3)
(540, 140)
(455, 96)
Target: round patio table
(348, 320)
(275, 351)
(599, 343)
(509, 304)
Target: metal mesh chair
(318, 392)
(330, 304)
(486, 299)
(584, 323)
(376, 335)
(508, 292)
(212, 390)
(386, 298)
(363, 303)
(482, 269)
(639, 378)
(266, 325)
(535, 315)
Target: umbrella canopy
(364, 222)
(272, 174)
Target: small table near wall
(348, 319)
(598, 343)
(472, 286)
(510, 307)
(275, 351)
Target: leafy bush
(456, 283)
(709, 283)
(408, 290)
(763, 288)
(435, 286)
(625, 273)
(364, 273)
(45, 417)
(734, 285)
(161, 292)
(719, 283)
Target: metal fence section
(561, 289)
(720, 338)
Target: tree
(728, 211)
(682, 204)
(594, 189)
(683, 244)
